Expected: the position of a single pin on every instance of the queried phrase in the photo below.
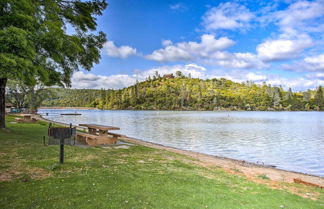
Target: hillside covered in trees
(185, 93)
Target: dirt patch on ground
(300, 190)
(90, 157)
(121, 147)
(11, 165)
(39, 173)
(33, 173)
(5, 176)
(84, 158)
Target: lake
(289, 140)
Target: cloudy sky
(280, 42)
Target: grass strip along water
(126, 176)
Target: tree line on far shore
(179, 92)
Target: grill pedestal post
(62, 150)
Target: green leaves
(17, 41)
(35, 45)
(81, 14)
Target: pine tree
(319, 98)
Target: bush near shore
(122, 177)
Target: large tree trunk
(3, 82)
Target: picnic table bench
(98, 134)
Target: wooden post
(48, 130)
(71, 129)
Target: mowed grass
(137, 177)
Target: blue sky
(278, 42)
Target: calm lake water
(290, 140)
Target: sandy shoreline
(237, 167)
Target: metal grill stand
(59, 135)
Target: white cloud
(256, 77)
(305, 16)
(315, 63)
(282, 49)
(297, 84)
(208, 51)
(297, 24)
(166, 42)
(82, 80)
(311, 64)
(319, 76)
(292, 42)
(196, 71)
(89, 80)
(240, 75)
(236, 60)
(228, 16)
(170, 53)
(185, 51)
(178, 6)
(123, 51)
(301, 16)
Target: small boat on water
(70, 113)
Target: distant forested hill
(183, 93)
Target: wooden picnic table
(26, 116)
(102, 129)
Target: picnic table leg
(92, 131)
(103, 133)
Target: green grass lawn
(137, 177)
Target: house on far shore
(8, 107)
(167, 76)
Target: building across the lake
(167, 76)
(8, 107)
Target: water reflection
(289, 140)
